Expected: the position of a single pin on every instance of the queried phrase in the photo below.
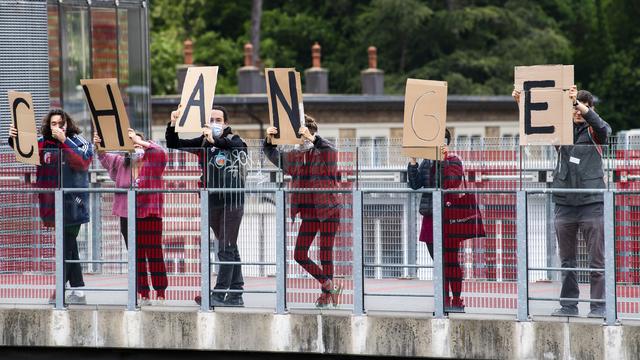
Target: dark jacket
(314, 168)
(580, 166)
(222, 163)
(71, 160)
(424, 176)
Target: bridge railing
(376, 253)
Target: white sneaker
(144, 302)
(76, 299)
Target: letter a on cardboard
(197, 98)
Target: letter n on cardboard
(25, 145)
(197, 98)
(108, 114)
(286, 111)
(545, 106)
(425, 118)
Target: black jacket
(579, 166)
(222, 163)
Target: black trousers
(73, 271)
(225, 223)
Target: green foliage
(472, 44)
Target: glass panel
(54, 55)
(76, 63)
(104, 44)
(133, 66)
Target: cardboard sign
(197, 98)
(25, 146)
(108, 113)
(546, 111)
(286, 111)
(425, 118)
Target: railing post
(131, 251)
(205, 252)
(438, 268)
(609, 259)
(281, 259)
(358, 260)
(60, 265)
(521, 252)
(412, 235)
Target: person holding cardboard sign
(221, 155)
(143, 169)
(580, 167)
(65, 159)
(460, 221)
(312, 165)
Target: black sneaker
(597, 312)
(566, 311)
(217, 299)
(234, 300)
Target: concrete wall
(403, 335)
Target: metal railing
(382, 186)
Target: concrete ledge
(334, 333)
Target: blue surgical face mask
(217, 129)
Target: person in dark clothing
(65, 158)
(312, 165)
(451, 173)
(221, 155)
(580, 166)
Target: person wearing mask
(220, 155)
(143, 169)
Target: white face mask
(137, 155)
(306, 145)
(216, 130)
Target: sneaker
(566, 311)
(324, 300)
(597, 312)
(455, 305)
(198, 299)
(234, 300)
(144, 301)
(75, 299)
(217, 299)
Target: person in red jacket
(450, 173)
(312, 165)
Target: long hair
(72, 128)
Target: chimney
(250, 79)
(316, 77)
(372, 78)
(187, 54)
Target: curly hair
(72, 128)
